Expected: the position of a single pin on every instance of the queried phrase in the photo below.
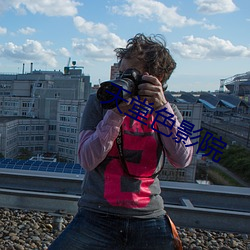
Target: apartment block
(40, 111)
(191, 113)
(114, 72)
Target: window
(186, 113)
(51, 137)
(52, 127)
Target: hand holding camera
(112, 93)
(152, 90)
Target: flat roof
(11, 118)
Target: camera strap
(119, 142)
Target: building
(20, 132)
(114, 72)
(217, 104)
(238, 84)
(41, 111)
(191, 112)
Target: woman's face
(131, 64)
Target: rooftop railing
(213, 207)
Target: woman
(122, 153)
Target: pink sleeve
(178, 154)
(94, 145)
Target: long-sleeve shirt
(107, 187)
(94, 145)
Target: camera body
(111, 93)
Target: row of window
(5, 93)
(68, 151)
(69, 108)
(5, 86)
(22, 128)
(13, 141)
(68, 118)
(62, 139)
(186, 113)
(51, 137)
(31, 127)
(67, 140)
(52, 127)
(67, 129)
(31, 138)
(27, 104)
(11, 131)
(63, 107)
(10, 104)
(172, 173)
(9, 112)
(35, 149)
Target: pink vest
(142, 152)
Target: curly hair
(152, 52)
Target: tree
(24, 154)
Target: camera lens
(108, 94)
(112, 93)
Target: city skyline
(207, 38)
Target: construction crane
(66, 68)
(73, 66)
(69, 62)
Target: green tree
(24, 154)
(234, 157)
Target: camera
(111, 93)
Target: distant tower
(222, 85)
(31, 67)
(114, 72)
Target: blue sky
(209, 39)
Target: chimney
(23, 68)
(31, 67)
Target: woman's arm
(94, 145)
(177, 153)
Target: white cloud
(214, 6)
(155, 10)
(88, 27)
(211, 48)
(30, 51)
(3, 30)
(27, 31)
(63, 51)
(100, 43)
(46, 7)
(93, 48)
(208, 26)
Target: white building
(40, 111)
(191, 113)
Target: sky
(208, 39)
